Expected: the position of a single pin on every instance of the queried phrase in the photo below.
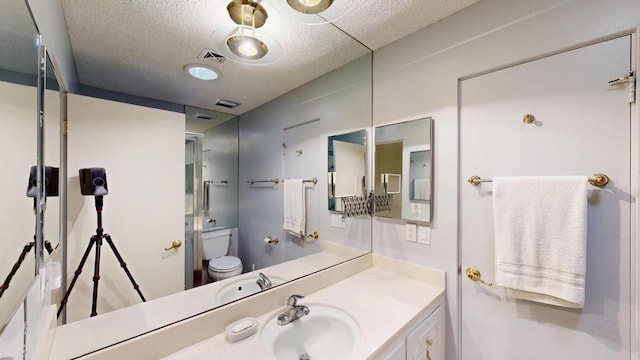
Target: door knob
(475, 275)
(174, 245)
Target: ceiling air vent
(201, 116)
(227, 103)
(208, 54)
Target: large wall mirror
(346, 167)
(18, 96)
(181, 180)
(404, 170)
(19, 63)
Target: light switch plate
(342, 223)
(334, 220)
(424, 235)
(410, 232)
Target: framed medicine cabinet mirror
(346, 167)
(404, 170)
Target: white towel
(541, 238)
(421, 189)
(294, 207)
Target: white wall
(18, 117)
(143, 152)
(18, 122)
(342, 102)
(418, 76)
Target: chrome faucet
(293, 310)
(264, 282)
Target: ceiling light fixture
(310, 6)
(244, 43)
(201, 72)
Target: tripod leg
(124, 266)
(75, 276)
(47, 245)
(96, 277)
(16, 266)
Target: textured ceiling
(377, 23)
(140, 47)
(18, 51)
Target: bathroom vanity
(398, 318)
(397, 308)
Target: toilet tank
(215, 243)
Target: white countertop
(81, 337)
(382, 302)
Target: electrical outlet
(424, 235)
(410, 232)
(338, 221)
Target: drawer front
(427, 336)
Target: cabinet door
(427, 336)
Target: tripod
(97, 241)
(16, 266)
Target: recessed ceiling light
(310, 6)
(201, 72)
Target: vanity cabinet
(428, 335)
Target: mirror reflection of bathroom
(18, 94)
(403, 170)
(211, 193)
(346, 171)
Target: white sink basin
(327, 333)
(244, 287)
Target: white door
(582, 127)
(303, 152)
(143, 152)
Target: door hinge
(630, 81)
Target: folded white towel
(294, 207)
(541, 238)
(421, 189)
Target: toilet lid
(224, 263)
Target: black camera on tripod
(51, 176)
(93, 181)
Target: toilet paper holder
(271, 240)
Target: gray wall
(220, 162)
(342, 102)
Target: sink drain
(304, 357)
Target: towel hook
(528, 119)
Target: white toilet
(216, 245)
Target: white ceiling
(140, 47)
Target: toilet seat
(223, 264)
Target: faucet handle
(293, 300)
